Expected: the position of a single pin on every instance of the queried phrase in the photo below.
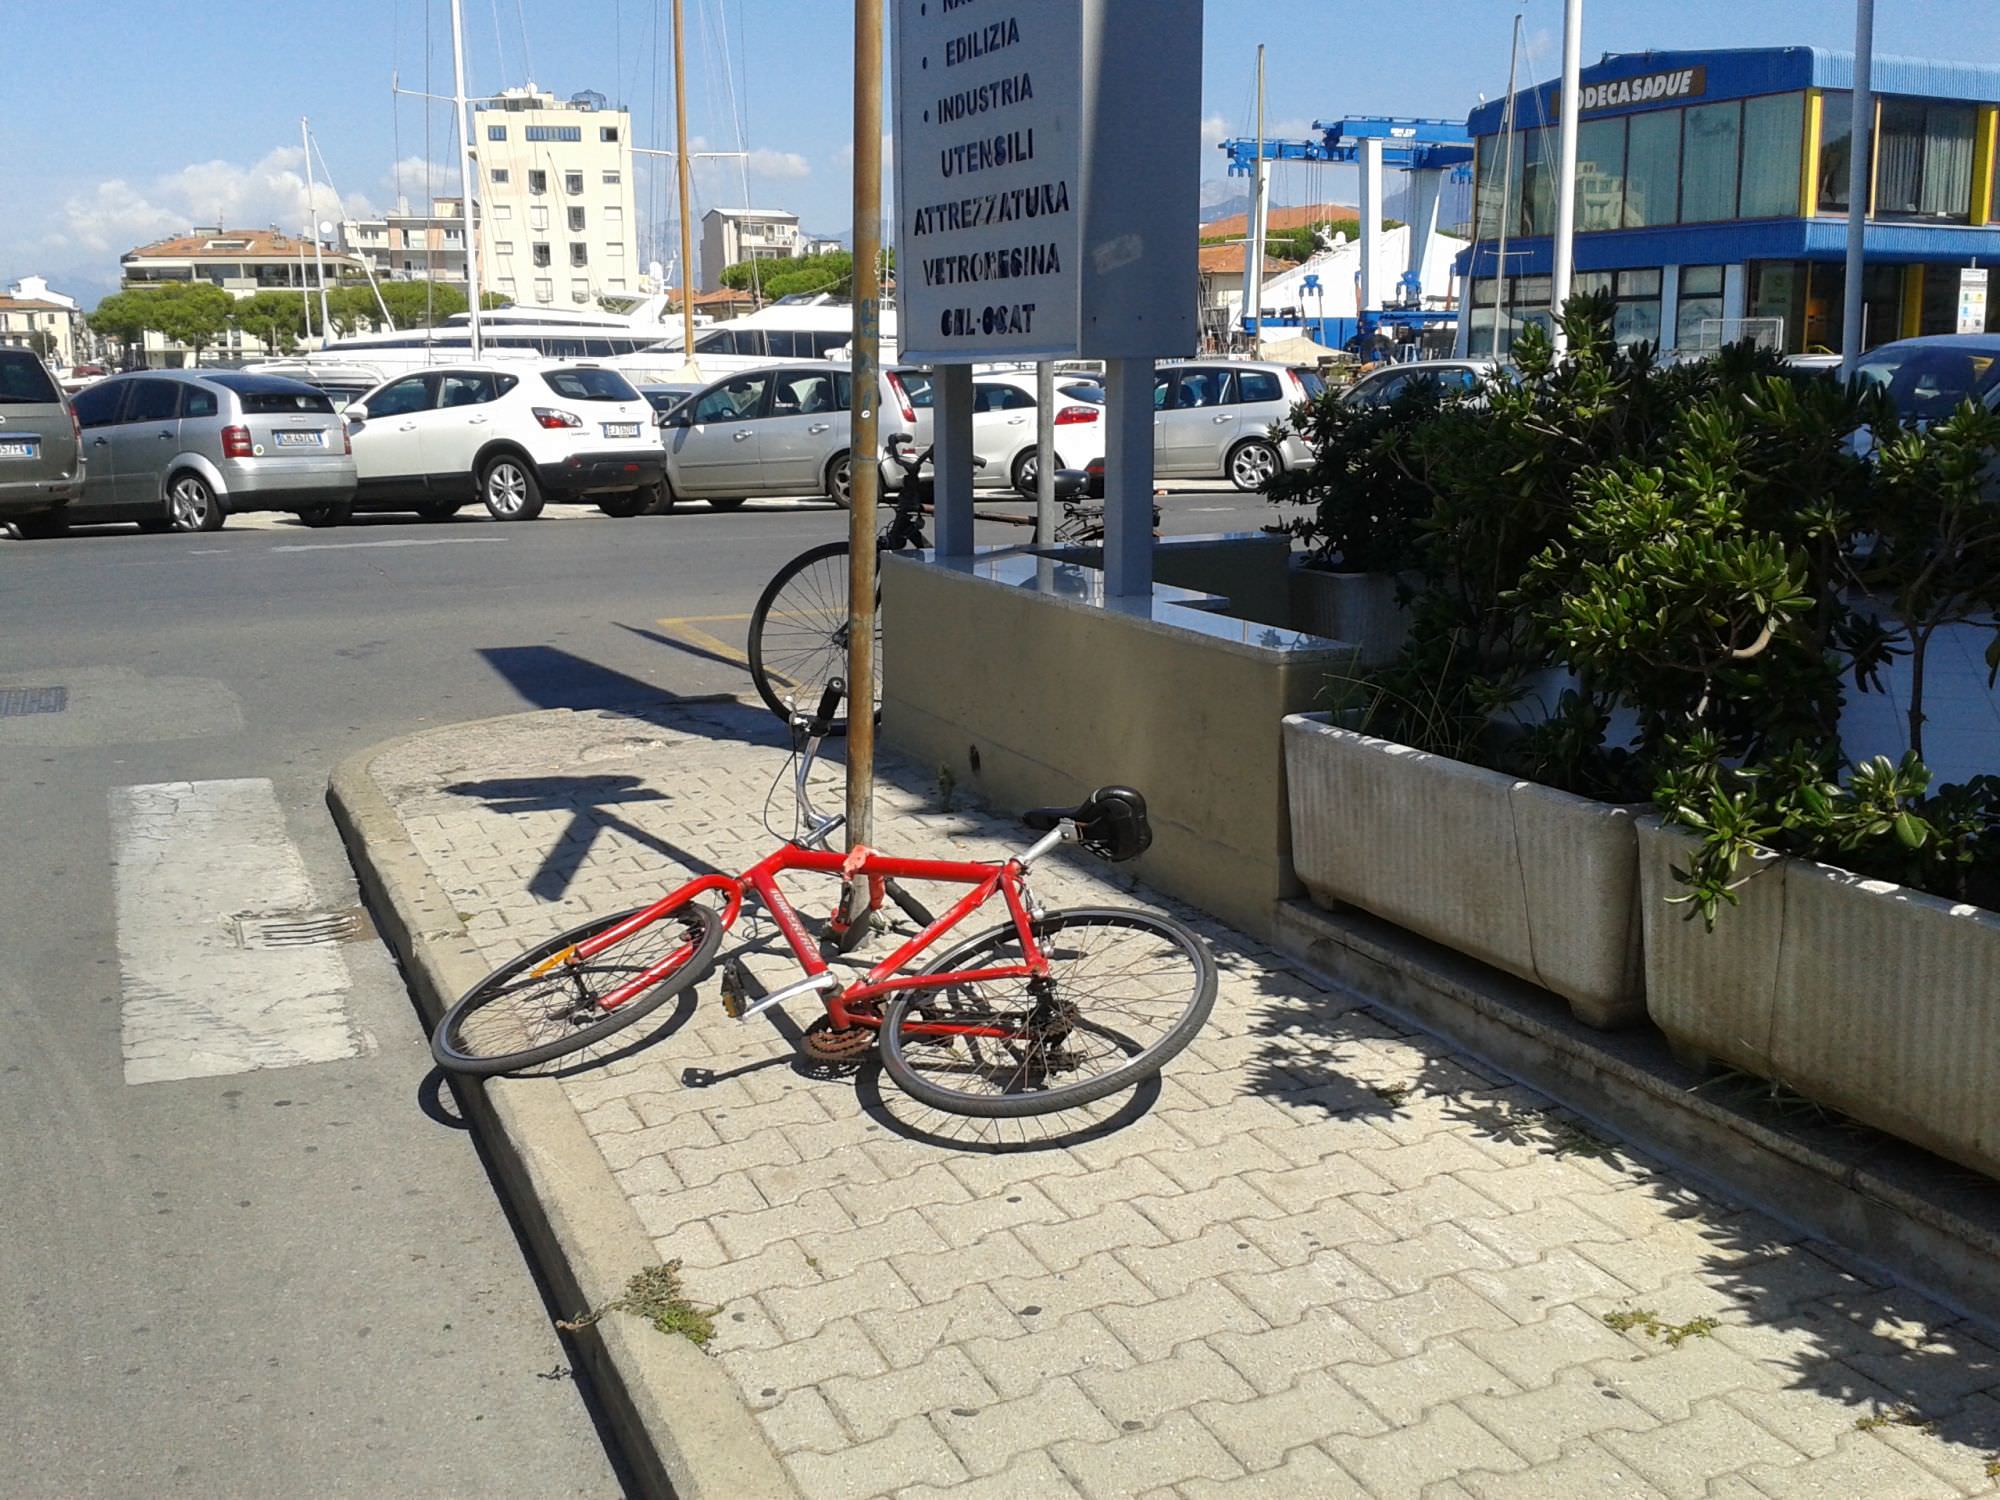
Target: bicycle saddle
(1111, 822)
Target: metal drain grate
(297, 929)
(47, 700)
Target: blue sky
(141, 118)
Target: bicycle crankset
(825, 1043)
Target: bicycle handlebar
(829, 704)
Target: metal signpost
(1034, 222)
(864, 441)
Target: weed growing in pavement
(1648, 1322)
(1391, 1093)
(947, 783)
(1901, 1416)
(655, 1295)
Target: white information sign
(1972, 300)
(988, 200)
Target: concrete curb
(680, 1425)
(1922, 1219)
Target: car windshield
(1925, 382)
(23, 379)
(284, 403)
(589, 385)
(1310, 379)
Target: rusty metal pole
(864, 441)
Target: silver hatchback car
(179, 450)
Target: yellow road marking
(696, 636)
(698, 619)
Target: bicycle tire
(448, 1040)
(798, 634)
(907, 1054)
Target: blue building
(1711, 198)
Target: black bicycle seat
(1111, 822)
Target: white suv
(1005, 426)
(514, 435)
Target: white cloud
(764, 162)
(417, 177)
(116, 215)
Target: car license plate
(621, 429)
(299, 440)
(20, 447)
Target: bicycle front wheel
(799, 634)
(530, 1011)
(1126, 991)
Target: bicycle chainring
(824, 1043)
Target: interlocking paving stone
(1335, 1259)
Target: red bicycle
(1049, 1010)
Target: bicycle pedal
(740, 988)
(696, 1078)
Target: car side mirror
(356, 413)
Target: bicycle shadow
(585, 799)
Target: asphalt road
(246, 1251)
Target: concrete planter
(1358, 608)
(1536, 882)
(1875, 1000)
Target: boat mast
(1253, 268)
(468, 175)
(682, 165)
(1506, 191)
(312, 218)
(1565, 246)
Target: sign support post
(864, 442)
(1045, 452)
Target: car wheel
(50, 523)
(725, 502)
(630, 503)
(326, 515)
(1023, 477)
(510, 490)
(659, 499)
(840, 482)
(1254, 464)
(438, 510)
(192, 505)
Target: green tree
(832, 272)
(278, 318)
(121, 317)
(192, 313)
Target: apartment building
(730, 235)
(32, 309)
(557, 224)
(240, 261)
(411, 245)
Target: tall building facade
(732, 235)
(557, 226)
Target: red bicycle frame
(881, 980)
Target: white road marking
(188, 857)
(398, 541)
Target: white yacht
(814, 326)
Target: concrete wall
(1036, 694)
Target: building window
(505, 286)
(579, 253)
(1836, 151)
(503, 210)
(538, 181)
(579, 290)
(1600, 174)
(1923, 160)
(1698, 320)
(612, 179)
(496, 132)
(538, 217)
(541, 253)
(499, 174)
(545, 289)
(554, 132)
(1773, 127)
(607, 133)
(503, 247)
(573, 183)
(613, 214)
(1712, 136)
(1652, 169)
(614, 249)
(576, 218)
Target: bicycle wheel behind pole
(1126, 991)
(531, 1011)
(799, 634)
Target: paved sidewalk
(1328, 1257)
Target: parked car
(1214, 419)
(781, 430)
(1926, 378)
(181, 450)
(1005, 429)
(515, 436)
(664, 397)
(1453, 377)
(41, 455)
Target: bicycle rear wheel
(517, 1017)
(1127, 990)
(799, 634)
